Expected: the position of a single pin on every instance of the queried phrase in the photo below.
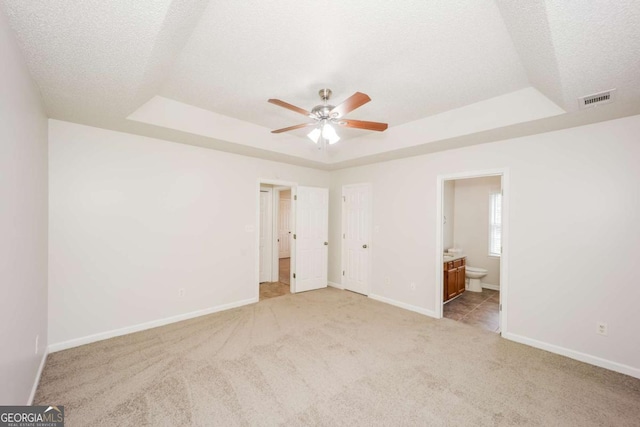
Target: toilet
(475, 274)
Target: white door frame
(269, 243)
(504, 256)
(370, 246)
(276, 183)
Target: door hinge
(343, 272)
(500, 307)
(344, 198)
(344, 236)
(294, 275)
(295, 197)
(294, 237)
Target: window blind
(495, 224)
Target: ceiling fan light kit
(326, 131)
(325, 116)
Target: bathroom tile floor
(476, 308)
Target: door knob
(364, 246)
(326, 243)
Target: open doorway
(307, 234)
(275, 241)
(472, 248)
(284, 230)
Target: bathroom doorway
(471, 247)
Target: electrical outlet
(413, 286)
(181, 292)
(37, 340)
(602, 329)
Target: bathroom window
(495, 224)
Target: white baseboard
(335, 285)
(147, 325)
(38, 375)
(490, 286)
(582, 357)
(404, 305)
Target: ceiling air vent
(596, 99)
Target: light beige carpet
(329, 357)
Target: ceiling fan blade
(293, 127)
(290, 107)
(361, 124)
(356, 100)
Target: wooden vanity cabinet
(454, 278)
(461, 279)
(450, 284)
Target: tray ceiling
(200, 71)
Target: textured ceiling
(123, 64)
(572, 49)
(412, 60)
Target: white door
(311, 238)
(356, 229)
(265, 235)
(284, 228)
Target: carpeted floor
(329, 357)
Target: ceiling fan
(325, 115)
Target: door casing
(265, 251)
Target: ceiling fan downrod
(323, 112)
(325, 94)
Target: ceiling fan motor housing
(322, 111)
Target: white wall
(448, 212)
(574, 234)
(471, 223)
(23, 224)
(133, 219)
